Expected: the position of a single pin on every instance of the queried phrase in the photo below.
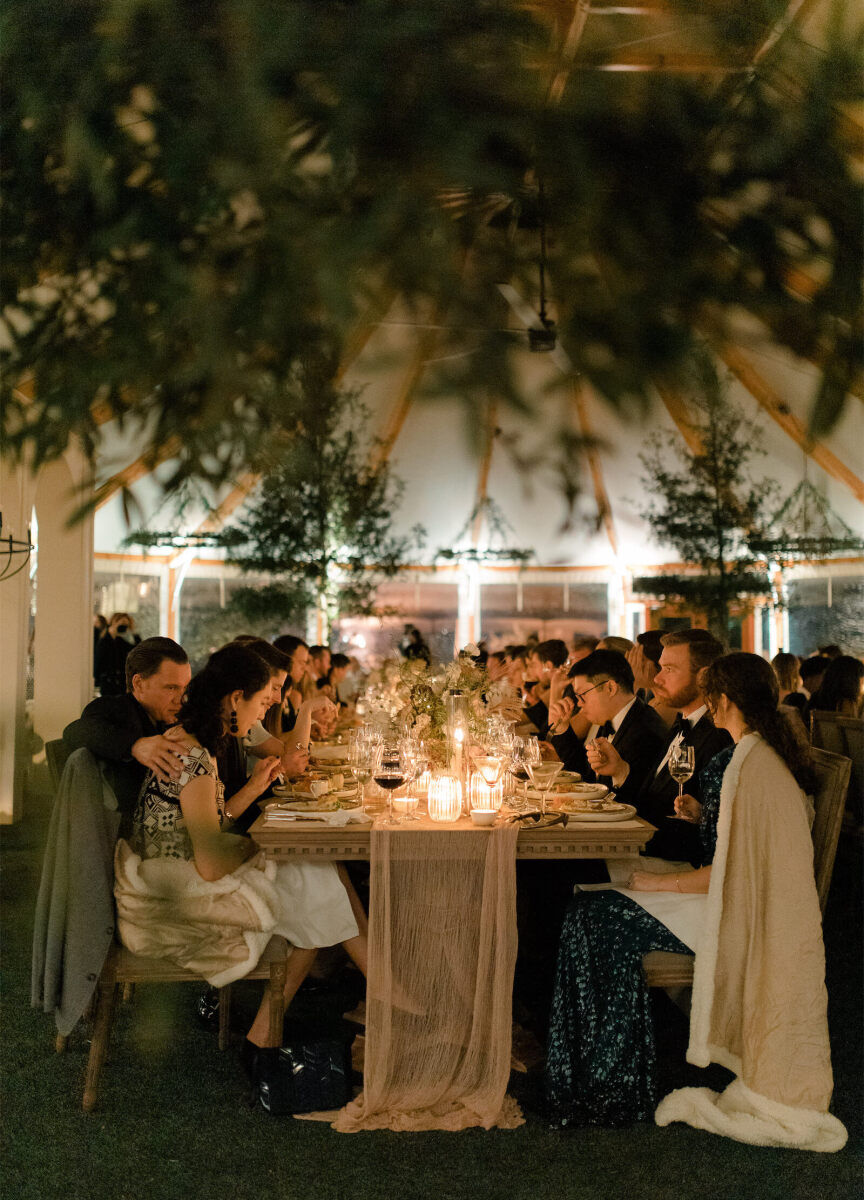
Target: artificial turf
(174, 1117)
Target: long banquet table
(315, 839)
(461, 1081)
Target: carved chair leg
(99, 1045)
(224, 1016)
(60, 1043)
(278, 977)
(128, 993)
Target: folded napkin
(339, 816)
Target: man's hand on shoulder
(158, 754)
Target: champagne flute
(543, 775)
(682, 764)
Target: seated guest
(603, 690)
(685, 654)
(812, 672)
(759, 1001)
(644, 660)
(292, 693)
(517, 662)
(319, 662)
(542, 662)
(610, 642)
(832, 650)
(496, 666)
(842, 689)
(263, 743)
(786, 668)
(329, 683)
(581, 645)
(170, 886)
(125, 732)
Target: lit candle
(445, 798)
(405, 804)
(484, 796)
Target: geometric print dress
(600, 1055)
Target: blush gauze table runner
(442, 951)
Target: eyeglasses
(578, 697)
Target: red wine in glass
(389, 782)
(521, 774)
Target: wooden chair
(123, 968)
(664, 969)
(843, 735)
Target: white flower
(472, 650)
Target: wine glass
(389, 774)
(361, 760)
(413, 755)
(517, 765)
(543, 775)
(682, 764)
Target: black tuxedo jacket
(108, 728)
(655, 801)
(641, 741)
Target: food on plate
(299, 804)
(583, 804)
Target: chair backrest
(832, 781)
(843, 735)
(56, 753)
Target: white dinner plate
(603, 816)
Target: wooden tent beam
(143, 465)
(796, 12)
(569, 46)
(677, 408)
(778, 410)
(601, 496)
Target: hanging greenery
(197, 193)
(806, 529)
(706, 505)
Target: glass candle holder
(445, 798)
(483, 795)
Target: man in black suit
(604, 691)
(543, 661)
(126, 731)
(685, 654)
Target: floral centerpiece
(412, 696)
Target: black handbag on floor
(311, 1074)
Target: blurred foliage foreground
(198, 195)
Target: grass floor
(175, 1120)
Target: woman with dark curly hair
(750, 913)
(189, 890)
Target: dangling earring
(232, 725)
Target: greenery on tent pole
(706, 506)
(196, 194)
(320, 521)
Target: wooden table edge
(352, 842)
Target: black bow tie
(680, 725)
(606, 730)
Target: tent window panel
(813, 623)
(129, 592)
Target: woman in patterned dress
(181, 848)
(600, 1055)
